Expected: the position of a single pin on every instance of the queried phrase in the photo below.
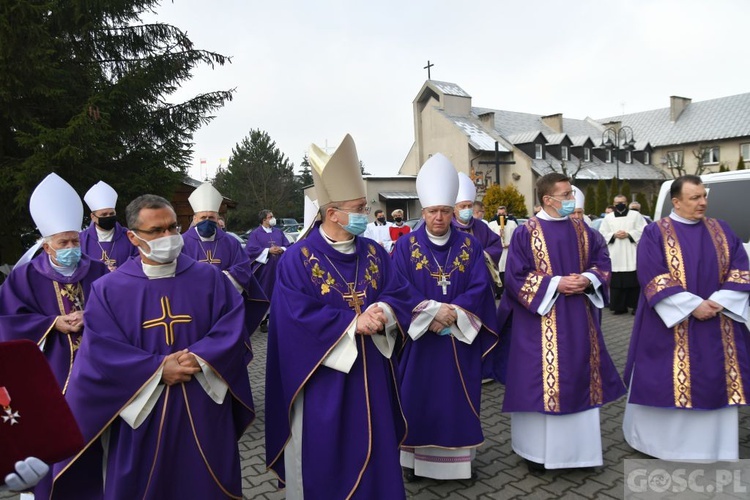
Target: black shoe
(535, 467)
(617, 313)
(264, 326)
(409, 475)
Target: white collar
(677, 218)
(346, 246)
(267, 229)
(65, 271)
(210, 238)
(439, 240)
(545, 216)
(103, 235)
(161, 271)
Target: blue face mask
(465, 214)
(68, 257)
(357, 224)
(206, 228)
(568, 207)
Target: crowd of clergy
(379, 336)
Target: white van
(727, 192)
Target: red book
(35, 420)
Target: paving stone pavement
(501, 473)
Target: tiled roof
(478, 138)
(448, 88)
(704, 121)
(555, 138)
(524, 137)
(597, 169)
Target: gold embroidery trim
(719, 239)
(658, 284)
(550, 369)
(681, 367)
(673, 252)
(738, 276)
(735, 390)
(595, 390)
(583, 243)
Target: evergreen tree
(84, 91)
(602, 196)
(614, 190)
(258, 177)
(625, 190)
(305, 177)
(509, 196)
(741, 164)
(589, 206)
(645, 207)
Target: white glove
(27, 475)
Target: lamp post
(615, 139)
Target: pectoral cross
(210, 258)
(166, 313)
(442, 281)
(354, 298)
(107, 260)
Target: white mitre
(206, 198)
(437, 182)
(55, 206)
(100, 196)
(467, 191)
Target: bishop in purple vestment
(556, 277)
(333, 418)
(689, 363)
(160, 389)
(207, 244)
(105, 239)
(38, 303)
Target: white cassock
(559, 441)
(623, 251)
(380, 234)
(505, 236)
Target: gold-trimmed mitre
(337, 177)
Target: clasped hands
(621, 234)
(573, 284)
(372, 321)
(707, 310)
(445, 317)
(69, 323)
(179, 367)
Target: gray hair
(146, 201)
(262, 215)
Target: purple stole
(488, 239)
(557, 363)
(257, 241)
(695, 364)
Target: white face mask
(163, 250)
(272, 221)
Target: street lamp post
(615, 139)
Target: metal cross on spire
(429, 65)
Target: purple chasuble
(352, 422)
(695, 364)
(112, 253)
(441, 378)
(187, 445)
(487, 238)
(226, 254)
(32, 298)
(558, 362)
(257, 241)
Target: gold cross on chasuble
(442, 281)
(166, 314)
(210, 258)
(354, 298)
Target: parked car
(288, 225)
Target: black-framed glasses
(173, 229)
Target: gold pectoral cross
(107, 260)
(442, 281)
(210, 258)
(354, 298)
(166, 313)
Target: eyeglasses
(359, 210)
(173, 229)
(565, 196)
